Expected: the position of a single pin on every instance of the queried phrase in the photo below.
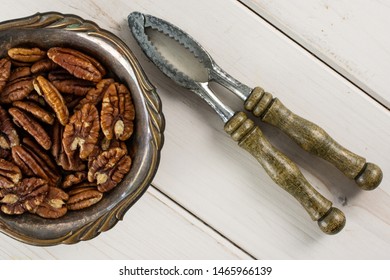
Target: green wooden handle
(313, 139)
(285, 173)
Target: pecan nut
(95, 95)
(5, 71)
(31, 126)
(109, 168)
(10, 174)
(20, 72)
(8, 135)
(35, 110)
(77, 63)
(27, 195)
(32, 164)
(53, 98)
(26, 54)
(117, 113)
(71, 162)
(68, 84)
(73, 179)
(83, 197)
(82, 131)
(43, 65)
(16, 90)
(44, 159)
(54, 204)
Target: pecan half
(8, 135)
(10, 174)
(54, 204)
(109, 168)
(77, 63)
(32, 164)
(53, 98)
(27, 195)
(35, 110)
(68, 84)
(26, 54)
(84, 197)
(17, 90)
(71, 162)
(44, 160)
(73, 179)
(82, 131)
(43, 65)
(30, 125)
(19, 72)
(95, 95)
(118, 113)
(5, 71)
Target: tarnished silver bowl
(46, 30)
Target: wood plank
(205, 172)
(351, 37)
(154, 228)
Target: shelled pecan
(54, 204)
(118, 113)
(68, 84)
(10, 174)
(64, 126)
(53, 97)
(35, 110)
(5, 71)
(82, 131)
(26, 196)
(8, 134)
(31, 126)
(78, 64)
(16, 90)
(80, 198)
(26, 54)
(109, 168)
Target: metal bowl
(53, 29)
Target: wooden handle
(313, 139)
(285, 173)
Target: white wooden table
(328, 61)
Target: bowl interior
(101, 46)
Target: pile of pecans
(63, 130)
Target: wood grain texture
(350, 37)
(153, 229)
(205, 172)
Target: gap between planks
(312, 53)
(199, 223)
